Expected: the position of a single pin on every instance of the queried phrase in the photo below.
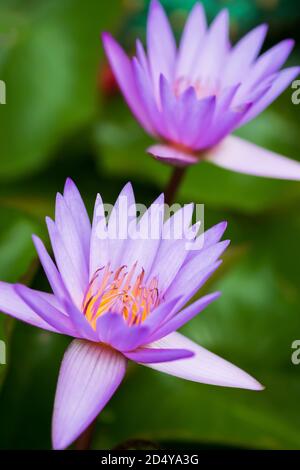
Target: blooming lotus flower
(193, 97)
(121, 299)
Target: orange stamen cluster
(121, 292)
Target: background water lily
(120, 298)
(193, 97)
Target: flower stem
(85, 440)
(173, 185)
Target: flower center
(202, 89)
(122, 292)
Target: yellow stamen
(121, 292)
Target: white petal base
(244, 157)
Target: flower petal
(123, 72)
(189, 282)
(120, 219)
(80, 322)
(197, 119)
(50, 269)
(204, 367)
(172, 250)
(153, 356)
(244, 157)
(12, 304)
(242, 56)
(192, 269)
(99, 254)
(214, 51)
(160, 314)
(113, 330)
(46, 311)
(191, 41)
(177, 321)
(150, 103)
(267, 64)
(225, 123)
(80, 216)
(143, 245)
(207, 239)
(141, 56)
(173, 156)
(282, 80)
(161, 44)
(67, 228)
(89, 376)
(71, 277)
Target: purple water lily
(121, 299)
(193, 97)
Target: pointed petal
(71, 277)
(192, 269)
(215, 50)
(282, 80)
(123, 72)
(160, 314)
(89, 376)
(172, 250)
(153, 356)
(67, 228)
(190, 282)
(12, 304)
(160, 44)
(225, 123)
(207, 239)
(204, 367)
(267, 64)
(151, 104)
(121, 217)
(46, 311)
(99, 254)
(244, 157)
(243, 55)
(191, 41)
(177, 321)
(141, 56)
(172, 156)
(169, 262)
(80, 216)
(50, 269)
(143, 245)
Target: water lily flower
(121, 299)
(193, 97)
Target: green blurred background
(65, 117)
